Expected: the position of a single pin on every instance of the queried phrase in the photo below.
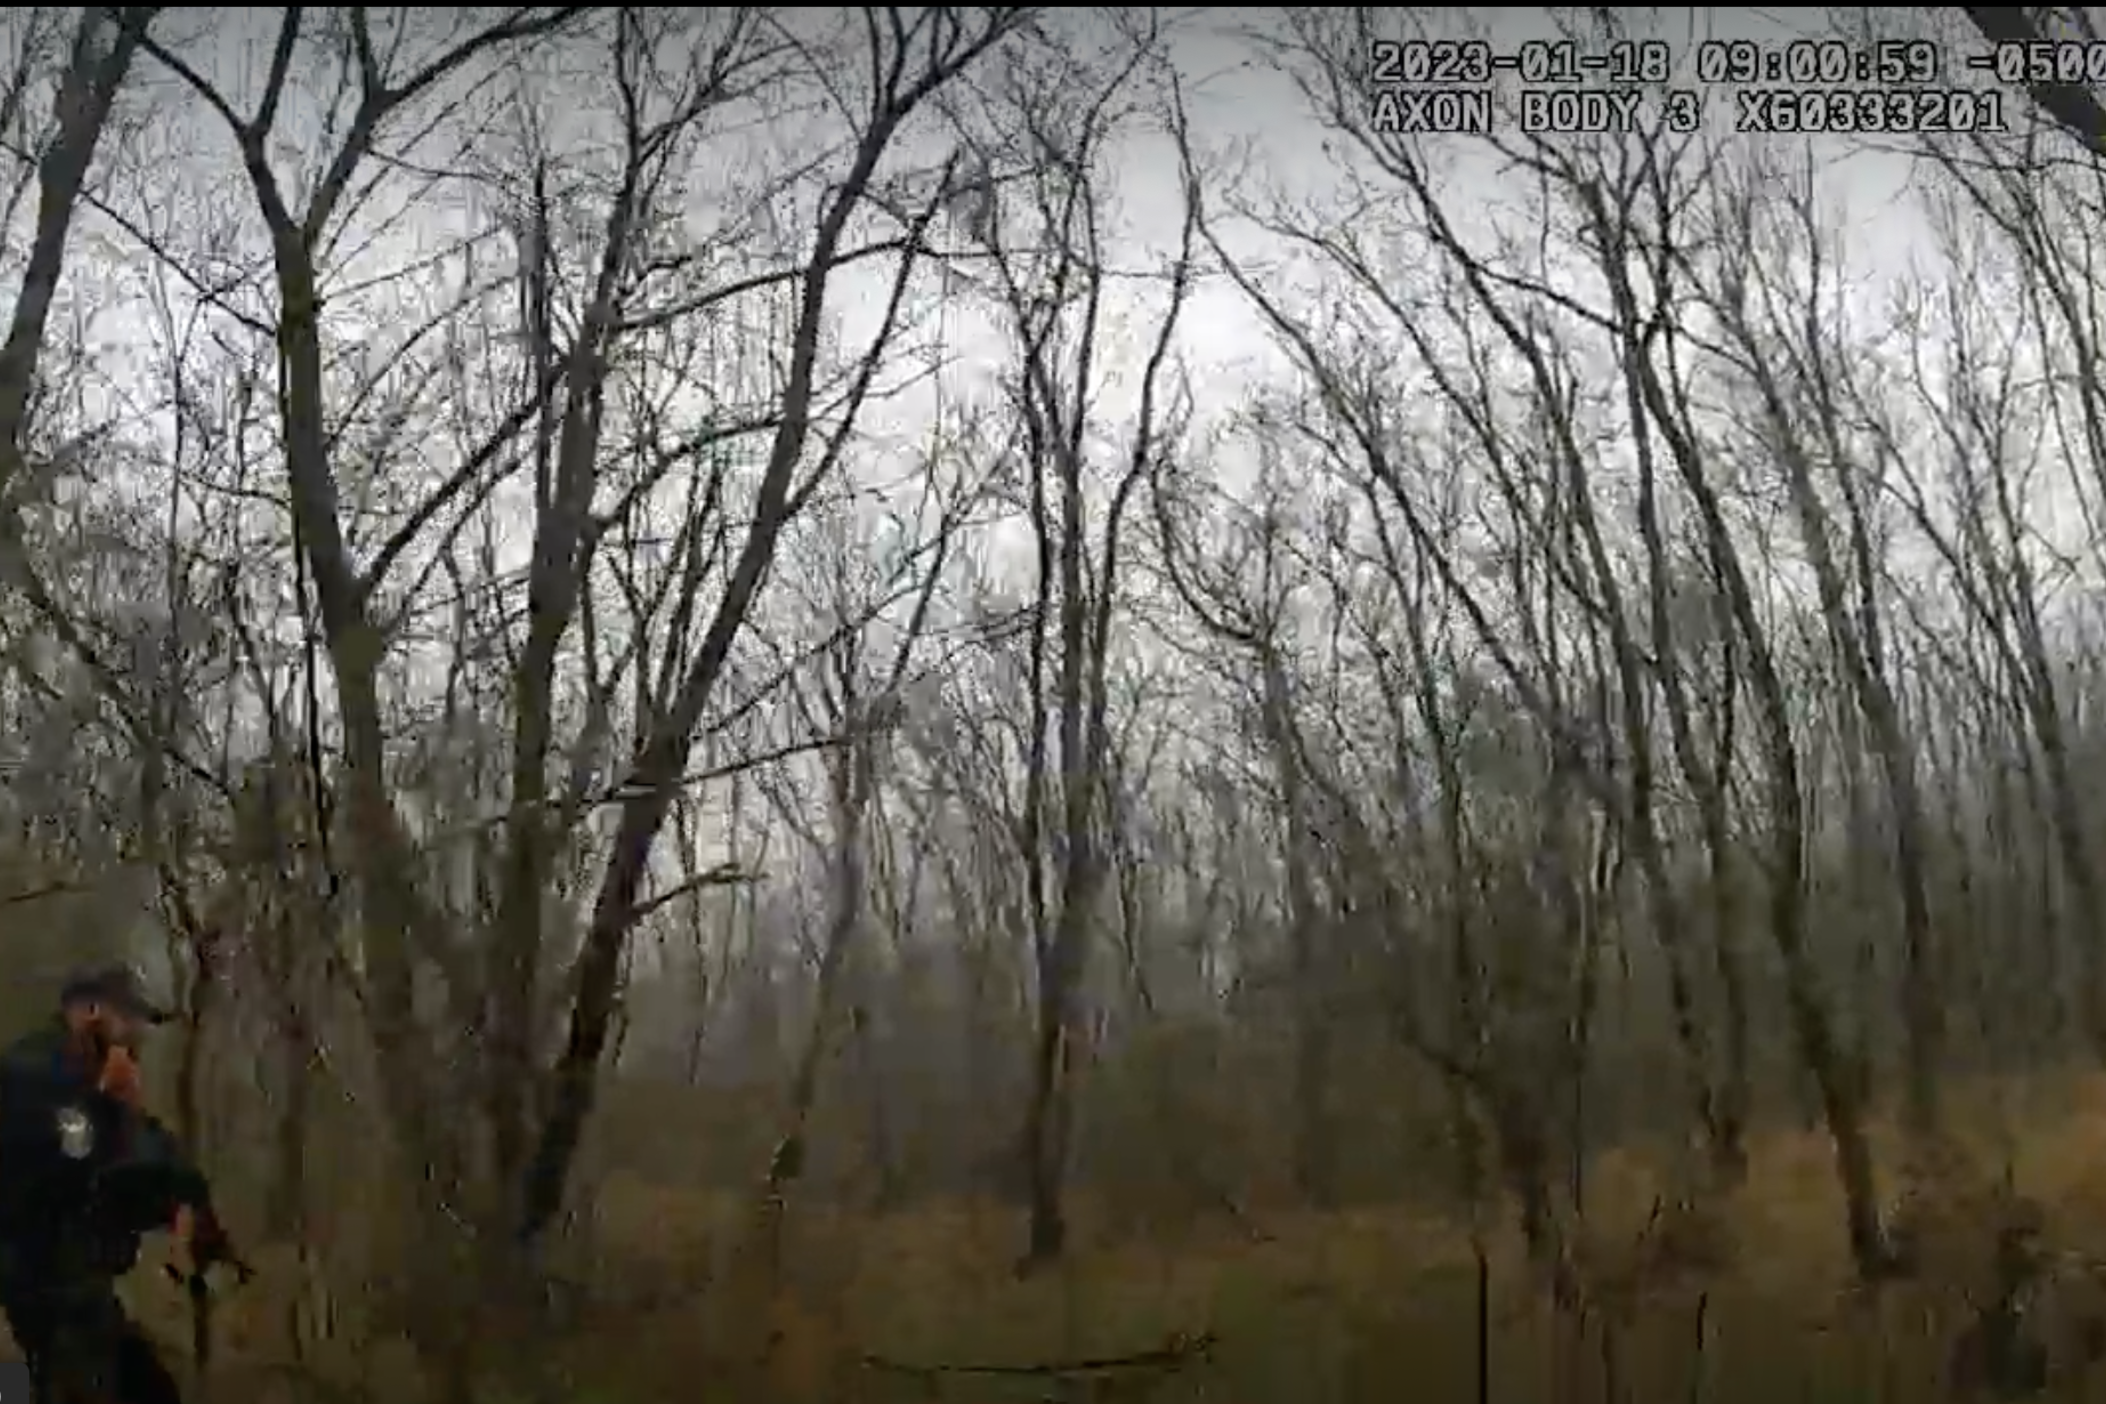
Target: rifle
(140, 1198)
(209, 1248)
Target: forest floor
(1290, 1308)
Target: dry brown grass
(1370, 1304)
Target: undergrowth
(1368, 1304)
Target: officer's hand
(204, 1236)
(120, 1077)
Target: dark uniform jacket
(83, 1176)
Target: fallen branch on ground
(1175, 1353)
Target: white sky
(172, 169)
(1257, 125)
(1239, 108)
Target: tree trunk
(1314, 1156)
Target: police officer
(84, 1173)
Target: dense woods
(723, 649)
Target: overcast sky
(172, 167)
(1242, 109)
(1251, 117)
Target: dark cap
(117, 986)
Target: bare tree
(1255, 626)
(2072, 106)
(583, 406)
(1503, 322)
(104, 45)
(1050, 272)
